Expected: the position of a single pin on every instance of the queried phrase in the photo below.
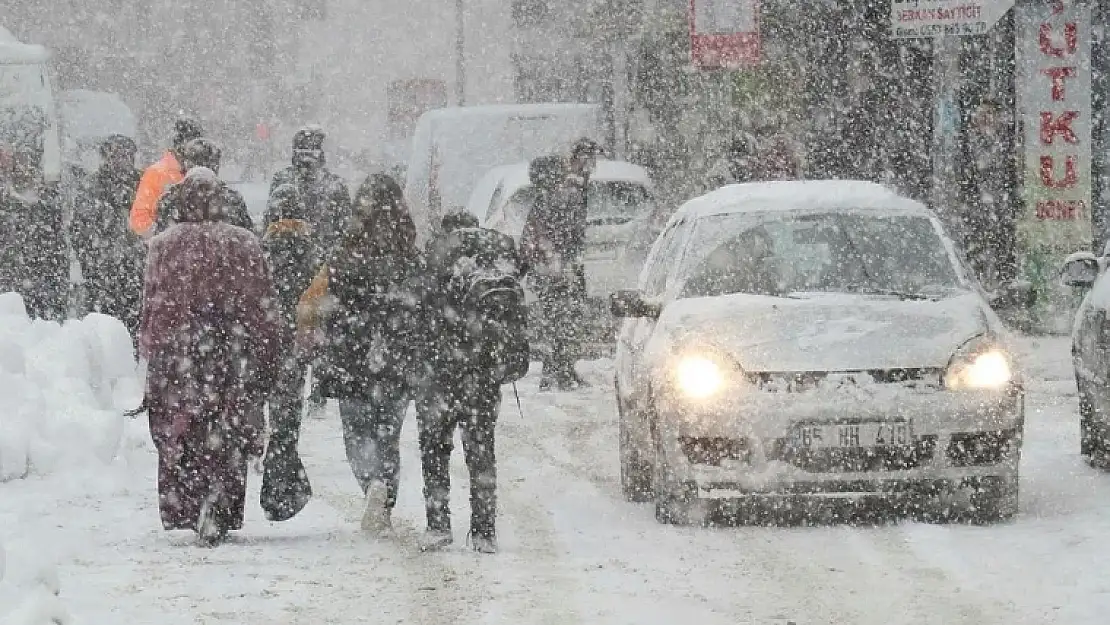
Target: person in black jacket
(33, 254)
(203, 153)
(462, 385)
(110, 254)
(293, 258)
(553, 243)
(366, 303)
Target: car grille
(858, 460)
(711, 451)
(805, 381)
(980, 448)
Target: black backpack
(485, 290)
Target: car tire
(676, 503)
(1087, 443)
(636, 482)
(995, 500)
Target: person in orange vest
(159, 176)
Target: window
(662, 261)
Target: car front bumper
(746, 445)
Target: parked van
(25, 88)
(453, 148)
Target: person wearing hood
(362, 317)
(294, 259)
(202, 153)
(472, 349)
(111, 256)
(33, 252)
(208, 311)
(168, 170)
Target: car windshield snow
(611, 203)
(785, 254)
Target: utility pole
(460, 53)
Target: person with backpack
(293, 258)
(477, 328)
(362, 318)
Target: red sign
(724, 34)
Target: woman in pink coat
(210, 336)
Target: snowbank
(63, 390)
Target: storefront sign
(724, 34)
(1054, 60)
(936, 18)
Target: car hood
(834, 332)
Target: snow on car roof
(516, 176)
(456, 113)
(831, 195)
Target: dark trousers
(471, 406)
(287, 406)
(372, 433)
(562, 301)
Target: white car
(1090, 356)
(813, 340)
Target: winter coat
(555, 230)
(144, 211)
(234, 208)
(327, 202)
(366, 302)
(110, 254)
(33, 254)
(448, 342)
(207, 308)
(294, 259)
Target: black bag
(285, 486)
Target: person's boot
(210, 529)
(316, 406)
(376, 518)
(482, 543)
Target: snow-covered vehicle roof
(809, 195)
(468, 113)
(511, 178)
(13, 52)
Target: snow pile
(63, 390)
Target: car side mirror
(1014, 294)
(1080, 270)
(631, 304)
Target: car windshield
(610, 203)
(786, 254)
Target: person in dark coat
(366, 301)
(461, 391)
(207, 310)
(110, 254)
(294, 259)
(553, 242)
(326, 199)
(203, 153)
(33, 253)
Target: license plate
(870, 434)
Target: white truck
(25, 86)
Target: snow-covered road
(572, 550)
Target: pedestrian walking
(33, 253)
(477, 328)
(366, 301)
(327, 202)
(111, 256)
(553, 243)
(160, 175)
(293, 259)
(203, 153)
(212, 342)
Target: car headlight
(979, 366)
(701, 374)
